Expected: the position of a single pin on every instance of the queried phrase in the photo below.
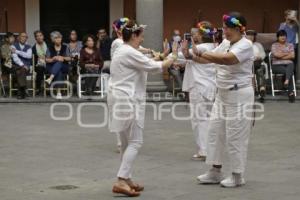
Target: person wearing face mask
(126, 101)
(176, 70)
(232, 113)
(199, 81)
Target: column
(150, 12)
(32, 18)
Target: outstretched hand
(175, 48)
(166, 47)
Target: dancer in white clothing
(230, 124)
(200, 81)
(126, 101)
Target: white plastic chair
(272, 76)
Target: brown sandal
(135, 186)
(128, 191)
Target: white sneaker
(213, 176)
(59, 96)
(235, 180)
(48, 81)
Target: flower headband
(206, 31)
(234, 21)
(136, 27)
(120, 23)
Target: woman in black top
(57, 58)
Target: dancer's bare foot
(122, 187)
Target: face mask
(177, 38)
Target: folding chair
(50, 88)
(31, 76)
(273, 77)
(103, 83)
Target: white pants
(230, 127)
(131, 142)
(200, 110)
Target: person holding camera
(200, 82)
(291, 27)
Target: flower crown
(136, 27)
(233, 21)
(119, 24)
(206, 31)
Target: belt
(237, 87)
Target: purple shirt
(278, 48)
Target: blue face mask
(177, 38)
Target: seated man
(259, 56)
(282, 61)
(22, 60)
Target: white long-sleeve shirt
(201, 76)
(127, 87)
(16, 58)
(27, 54)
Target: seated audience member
(39, 51)
(104, 45)
(57, 59)
(90, 63)
(282, 61)
(6, 53)
(22, 60)
(259, 56)
(74, 48)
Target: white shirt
(241, 73)
(115, 45)
(127, 86)
(259, 51)
(201, 76)
(129, 69)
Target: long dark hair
(85, 39)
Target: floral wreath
(136, 27)
(119, 24)
(206, 31)
(234, 21)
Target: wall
(16, 15)
(116, 8)
(188, 11)
(32, 18)
(130, 9)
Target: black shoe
(292, 98)
(20, 96)
(262, 95)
